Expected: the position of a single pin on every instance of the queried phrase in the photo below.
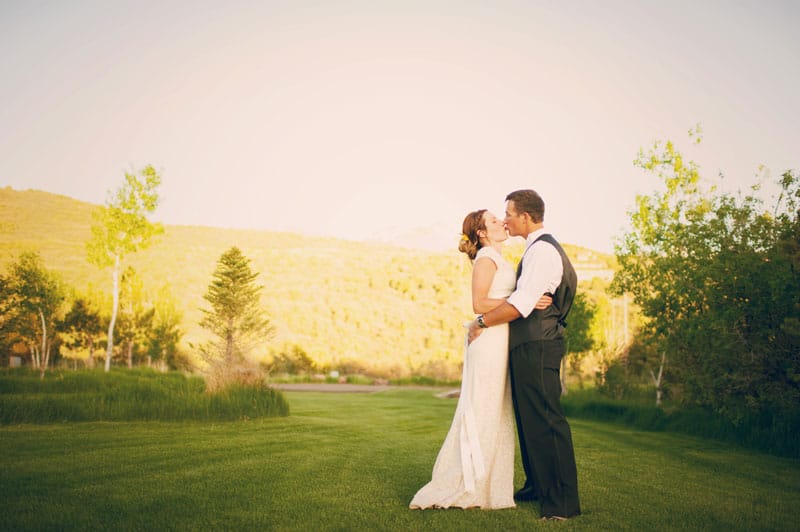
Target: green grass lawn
(353, 462)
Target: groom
(536, 345)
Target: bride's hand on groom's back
(544, 302)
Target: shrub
(128, 395)
(295, 362)
(773, 434)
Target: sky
(361, 119)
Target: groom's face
(514, 221)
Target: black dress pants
(545, 438)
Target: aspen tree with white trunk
(121, 227)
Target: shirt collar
(533, 236)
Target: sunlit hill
(377, 308)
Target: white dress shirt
(541, 273)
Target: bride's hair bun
(470, 242)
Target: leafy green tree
(136, 315)
(579, 339)
(38, 296)
(650, 253)
(7, 304)
(165, 335)
(236, 317)
(709, 275)
(294, 361)
(740, 357)
(643, 361)
(121, 227)
(789, 247)
(83, 325)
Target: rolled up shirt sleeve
(541, 273)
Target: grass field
(353, 462)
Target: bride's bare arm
(482, 274)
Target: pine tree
(236, 317)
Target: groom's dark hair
(529, 201)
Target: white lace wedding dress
(475, 466)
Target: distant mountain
(393, 305)
(443, 238)
(437, 237)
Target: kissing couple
(511, 372)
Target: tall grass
(128, 395)
(775, 436)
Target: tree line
(45, 320)
(33, 298)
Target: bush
(221, 375)
(294, 362)
(128, 395)
(239, 401)
(772, 434)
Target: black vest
(547, 324)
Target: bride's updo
(470, 241)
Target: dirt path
(359, 388)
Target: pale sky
(351, 119)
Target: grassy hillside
(392, 309)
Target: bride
(475, 466)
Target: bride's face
(495, 231)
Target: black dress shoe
(526, 494)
